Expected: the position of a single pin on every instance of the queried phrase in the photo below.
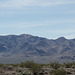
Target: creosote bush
(60, 72)
(27, 64)
(34, 67)
(55, 65)
(69, 65)
(1, 65)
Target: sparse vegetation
(69, 65)
(1, 65)
(55, 65)
(31, 68)
(60, 72)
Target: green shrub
(15, 65)
(27, 64)
(60, 72)
(34, 67)
(24, 73)
(55, 65)
(69, 65)
(1, 65)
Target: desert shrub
(69, 65)
(4, 67)
(60, 72)
(34, 67)
(52, 72)
(15, 65)
(44, 65)
(55, 65)
(1, 65)
(68, 73)
(19, 70)
(10, 68)
(24, 73)
(27, 64)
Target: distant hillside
(27, 47)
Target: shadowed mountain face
(21, 46)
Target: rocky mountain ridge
(24, 45)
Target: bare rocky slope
(27, 47)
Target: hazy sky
(44, 18)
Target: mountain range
(19, 48)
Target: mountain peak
(28, 46)
(61, 39)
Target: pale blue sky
(44, 18)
